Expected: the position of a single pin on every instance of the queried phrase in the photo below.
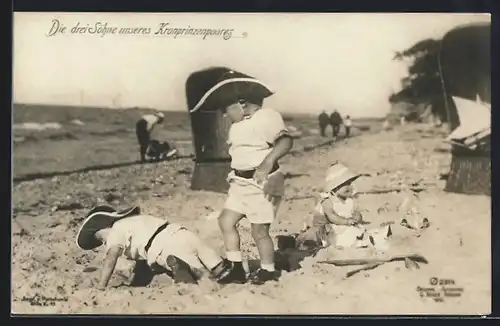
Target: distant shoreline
(42, 105)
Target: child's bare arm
(357, 216)
(334, 218)
(272, 130)
(109, 265)
(281, 147)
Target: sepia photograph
(251, 163)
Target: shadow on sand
(285, 260)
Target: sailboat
(475, 123)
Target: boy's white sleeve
(229, 137)
(271, 125)
(116, 238)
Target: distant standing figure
(144, 128)
(386, 125)
(324, 121)
(336, 121)
(347, 126)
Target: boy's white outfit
(151, 122)
(347, 236)
(133, 233)
(251, 140)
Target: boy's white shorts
(249, 200)
(183, 244)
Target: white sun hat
(338, 174)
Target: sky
(313, 62)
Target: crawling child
(165, 247)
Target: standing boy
(347, 126)
(258, 138)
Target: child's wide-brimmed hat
(100, 217)
(338, 174)
(218, 87)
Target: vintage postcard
(258, 163)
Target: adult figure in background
(347, 126)
(144, 128)
(336, 121)
(324, 121)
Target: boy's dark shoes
(221, 271)
(262, 276)
(181, 272)
(235, 274)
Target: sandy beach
(48, 269)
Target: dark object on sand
(288, 257)
(411, 262)
(470, 172)
(465, 60)
(364, 268)
(365, 261)
(210, 131)
(160, 150)
(425, 224)
(389, 190)
(285, 241)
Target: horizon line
(168, 110)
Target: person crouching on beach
(335, 211)
(258, 138)
(144, 130)
(165, 247)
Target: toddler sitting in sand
(335, 220)
(164, 246)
